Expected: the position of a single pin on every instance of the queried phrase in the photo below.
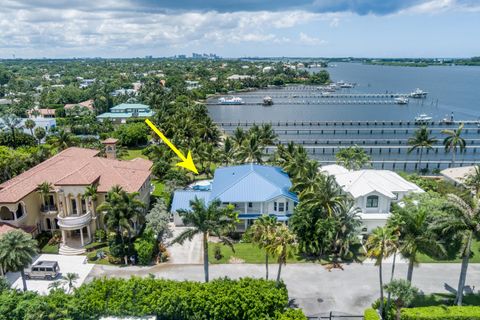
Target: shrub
(145, 249)
(219, 299)
(101, 235)
(371, 314)
(444, 313)
(218, 252)
(292, 314)
(21, 139)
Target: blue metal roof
(181, 199)
(125, 114)
(250, 183)
(124, 106)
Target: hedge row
(371, 314)
(445, 313)
(220, 299)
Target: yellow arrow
(187, 162)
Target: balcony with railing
(48, 208)
(74, 221)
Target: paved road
(311, 286)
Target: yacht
(418, 94)
(267, 101)
(401, 100)
(230, 100)
(423, 118)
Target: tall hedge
(220, 299)
(439, 312)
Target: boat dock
(316, 102)
(331, 95)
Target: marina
(324, 121)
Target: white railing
(75, 221)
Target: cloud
(438, 6)
(309, 40)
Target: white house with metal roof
(374, 191)
(124, 111)
(253, 189)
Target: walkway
(188, 253)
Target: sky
(239, 28)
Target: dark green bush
(439, 312)
(292, 314)
(219, 299)
(21, 139)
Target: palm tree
(267, 135)
(121, 210)
(250, 150)
(30, 124)
(421, 140)
(239, 136)
(380, 244)
(453, 141)
(261, 233)
(70, 279)
(228, 152)
(91, 195)
(349, 221)
(415, 234)
(207, 220)
(62, 140)
(403, 294)
(17, 250)
(473, 181)
(12, 122)
(325, 194)
(282, 245)
(352, 158)
(40, 133)
(44, 189)
(463, 223)
(55, 285)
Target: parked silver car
(47, 270)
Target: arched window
(372, 202)
(6, 214)
(49, 224)
(19, 212)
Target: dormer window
(372, 202)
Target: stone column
(67, 206)
(246, 207)
(64, 237)
(81, 236)
(79, 204)
(89, 233)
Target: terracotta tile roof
(87, 104)
(110, 141)
(6, 227)
(78, 166)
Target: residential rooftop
(78, 166)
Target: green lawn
(49, 248)
(474, 259)
(437, 299)
(134, 153)
(248, 252)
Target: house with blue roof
(124, 111)
(252, 189)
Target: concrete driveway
(74, 264)
(313, 288)
(190, 252)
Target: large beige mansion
(66, 208)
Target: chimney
(110, 148)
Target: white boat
(267, 101)
(401, 100)
(230, 100)
(418, 94)
(423, 118)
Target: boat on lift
(418, 94)
(423, 118)
(401, 100)
(230, 100)
(267, 101)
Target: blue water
(451, 89)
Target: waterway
(450, 89)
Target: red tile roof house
(65, 208)
(85, 104)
